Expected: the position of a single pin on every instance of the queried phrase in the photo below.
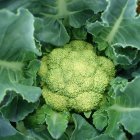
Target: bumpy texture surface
(75, 77)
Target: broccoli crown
(75, 77)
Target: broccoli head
(74, 77)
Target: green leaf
(17, 60)
(87, 114)
(127, 57)
(6, 128)
(103, 137)
(51, 31)
(16, 42)
(117, 86)
(40, 134)
(57, 122)
(125, 111)
(16, 35)
(78, 33)
(28, 93)
(73, 10)
(100, 119)
(13, 5)
(97, 5)
(119, 25)
(136, 73)
(8, 132)
(32, 69)
(83, 130)
(61, 13)
(16, 108)
(56, 15)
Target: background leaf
(125, 111)
(119, 25)
(55, 16)
(100, 119)
(127, 57)
(102, 137)
(8, 132)
(83, 130)
(17, 61)
(51, 31)
(57, 122)
(16, 35)
(75, 13)
(16, 109)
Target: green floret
(86, 101)
(107, 66)
(38, 118)
(43, 68)
(56, 101)
(75, 77)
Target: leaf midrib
(119, 108)
(116, 26)
(15, 66)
